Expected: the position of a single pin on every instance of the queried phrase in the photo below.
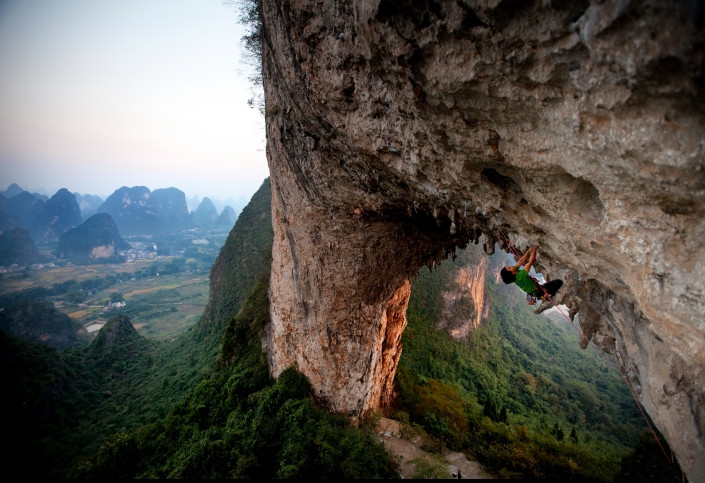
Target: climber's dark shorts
(551, 287)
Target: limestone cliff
(398, 130)
(466, 295)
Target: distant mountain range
(139, 211)
(237, 205)
(227, 217)
(131, 211)
(44, 220)
(95, 240)
(205, 215)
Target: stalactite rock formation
(399, 130)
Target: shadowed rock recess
(398, 131)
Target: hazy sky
(100, 94)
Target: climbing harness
(597, 350)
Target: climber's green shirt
(524, 281)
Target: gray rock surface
(400, 130)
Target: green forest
(519, 395)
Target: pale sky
(100, 94)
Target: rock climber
(519, 274)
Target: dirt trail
(408, 453)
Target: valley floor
(413, 459)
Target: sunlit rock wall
(398, 130)
(465, 303)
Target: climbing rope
(597, 350)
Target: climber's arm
(531, 252)
(532, 257)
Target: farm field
(15, 281)
(160, 306)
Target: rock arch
(397, 132)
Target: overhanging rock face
(400, 130)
